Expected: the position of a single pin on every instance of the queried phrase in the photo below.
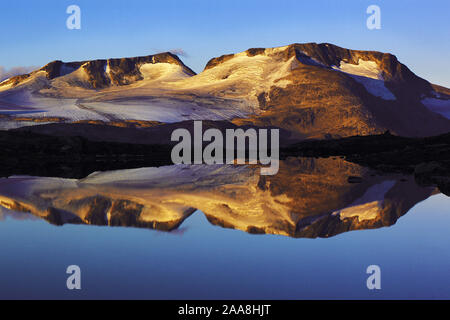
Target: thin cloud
(179, 52)
(15, 71)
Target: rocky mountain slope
(313, 90)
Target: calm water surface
(225, 232)
(202, 261)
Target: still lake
(218, 255)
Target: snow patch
(368, 69)
(163, 71)
(369, 75)
(107, 71)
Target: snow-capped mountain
(312, 90)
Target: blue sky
(34, 32)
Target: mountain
(99, 74)
(312, 90)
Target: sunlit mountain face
(308, 198)
(312, 90)
(88, 177)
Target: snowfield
(166, 94)
(170, 93)
(369, 75)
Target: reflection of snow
(16, 215)
(163, 195)
(369, 75)
(369, 205)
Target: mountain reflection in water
(308, 198)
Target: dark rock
(352, 179)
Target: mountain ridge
(95, 68)
(314, 90)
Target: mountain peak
(102, 73)
(313, 89)
(396, 75)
